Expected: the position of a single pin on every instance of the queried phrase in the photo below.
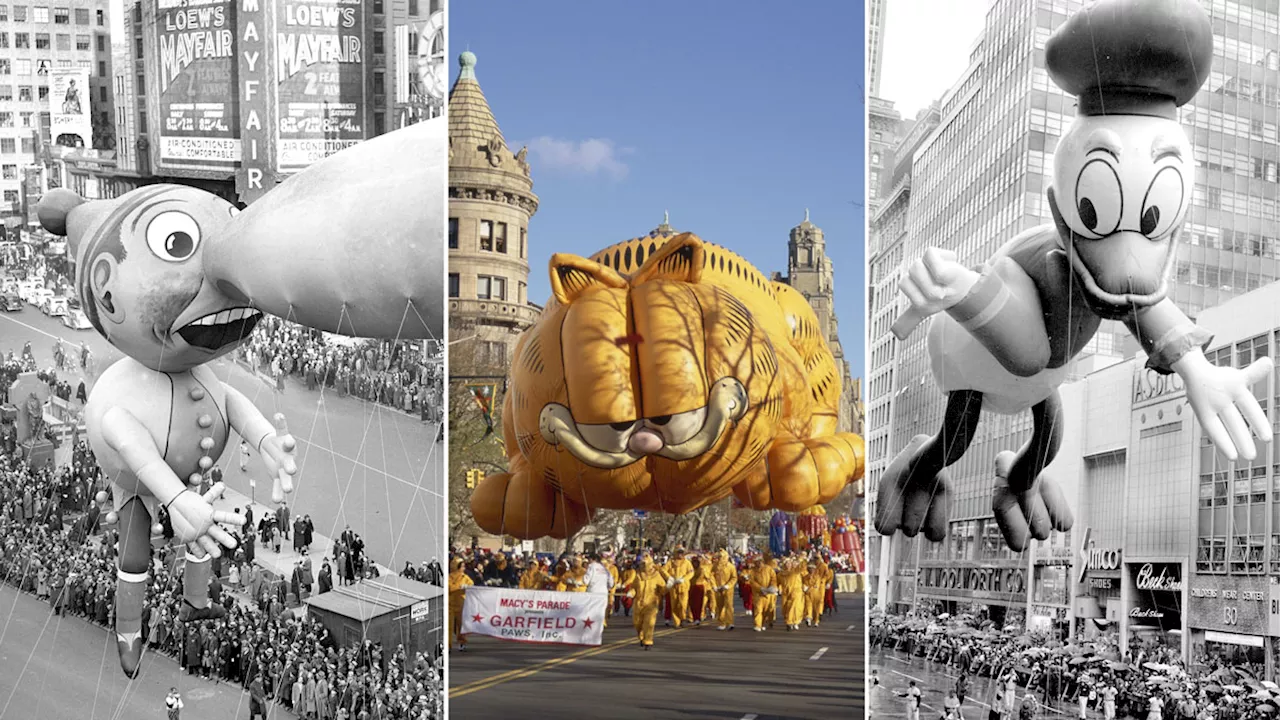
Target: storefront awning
(1232, 638)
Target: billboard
(199, 127)
(69, 107)
(320, 67)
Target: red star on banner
(588, 623)
(477, 618)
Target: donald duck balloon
(1004, 335)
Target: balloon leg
(914, 492)
(524, 506)
(1026, 503)
(131, 582)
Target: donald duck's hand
(278, 455)
(1223, 401)
(936, 282)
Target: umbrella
(1270, 685)
(1079, 661)
(1117, 665)
(1213, 687)
(1233, 688)
(1266, 708)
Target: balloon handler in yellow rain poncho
(458, 584)
(724, 578)
(647, 588)
(175, 277)
(764, 592)
(665, 374)
(1003, 337)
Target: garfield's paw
(524, 507)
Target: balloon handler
(1122, 183)
(175, 277)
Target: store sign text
(1149, 581)
(1145, 613)
(1149, 385)
(1253, 595)
(1007, 581)
(1095, 558)
(1100, 583)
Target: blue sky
(735, 117)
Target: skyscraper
(875, 45)
(980, 178)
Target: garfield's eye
(677, 429)
(1163, 203)
(609, 438)
(1099, 198)
(173, 236)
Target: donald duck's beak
(354, 244)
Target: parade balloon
(813, 521)
(779, 533)
(1002, 339)
(354, 244)
(665, 374)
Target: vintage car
(54, 306)
(11, 302)
(75, 319)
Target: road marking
(518, 673)
(850, 628)
(909, 677)
(820, 653)
(752, 716)
(904, 662)
(34, 328)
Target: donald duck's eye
(1163, 203)
(173, 236)
(1099, 199)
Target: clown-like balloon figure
(781, 532)
(175, 277)
(1122, 184)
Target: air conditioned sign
(1093, 558)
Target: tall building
(198, 107)
(810, 271)
(55, 98)
(875, 45)
(980, 177)
(490, 203)
(884, 123)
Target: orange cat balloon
(665, 374)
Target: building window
(27, 119)
(42, 93)
(137, 48)
(102, 18)
(524, 292)
(8, 146)
(22, 41)
(83, 42)
(102, 43)
(40, 14)
(379, 123)
(19, 13)
(491, 288)
(28, 146)
(486, 235)
(500, 237)
(42, 41)
(4, 66)
(379, 83)
(522, 236)
(142, 121)
(82, 16)
(377, 7)
(413, 7)
(454, 288)
(9, 172)
(64, 42)
(141, 85)
(22, 67)
(11, 196)
(492, 353)
(4, 13)
(4, 40)
(102, 94)
(453, 233)
(62, 16)
(6, 119)
(6, 94)
(26, 93)
(378, 46)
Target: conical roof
(475, 140)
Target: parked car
(76, 320)
(38, 295)
(12, 302)
(54, 306)
(27, 287)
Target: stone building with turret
(490, 203)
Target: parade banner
(198, 124)
(69, 106)
(537, 616)
(320, 73)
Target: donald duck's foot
(190, 613)
(129, 646)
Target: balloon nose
(645, 442)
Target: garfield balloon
(665, 374)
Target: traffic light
(473, 478)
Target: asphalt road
(64, 668)
(698, 672)
(360, 464)
(935, 680)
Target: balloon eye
(173, 236)
(1099, 200)
(1162, 206)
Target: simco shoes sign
(1094, 559)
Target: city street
(694, 672)
(935, 680)
(65, 667)
(360, 464)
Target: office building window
(4, 13)
(42, 93)
(4, 40)
(102, 94)
(6, 119)
(8, 146)
(42, 41)
(21, 67)
(491, 288)
(454, 288)
(82, 16)
(142, 121)
(19, 13)
(11, 196)
(26, 119)
(6, 94)
(22, 41)
(453, 233)
(377, 7)
(379, 83)
(63, 42)
(379, 123)
(102, 42)
(413, 7)
(500, 237)
(102, 18)
(486, 235)
(40, 14)
(26, 93)
(137, 48)
(28, 145)
(83, 42)
(378, 45)
(9, 172)
(62, 16)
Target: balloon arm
(1167, 335)
(126, 435)
(906, 324)
(245, 418)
